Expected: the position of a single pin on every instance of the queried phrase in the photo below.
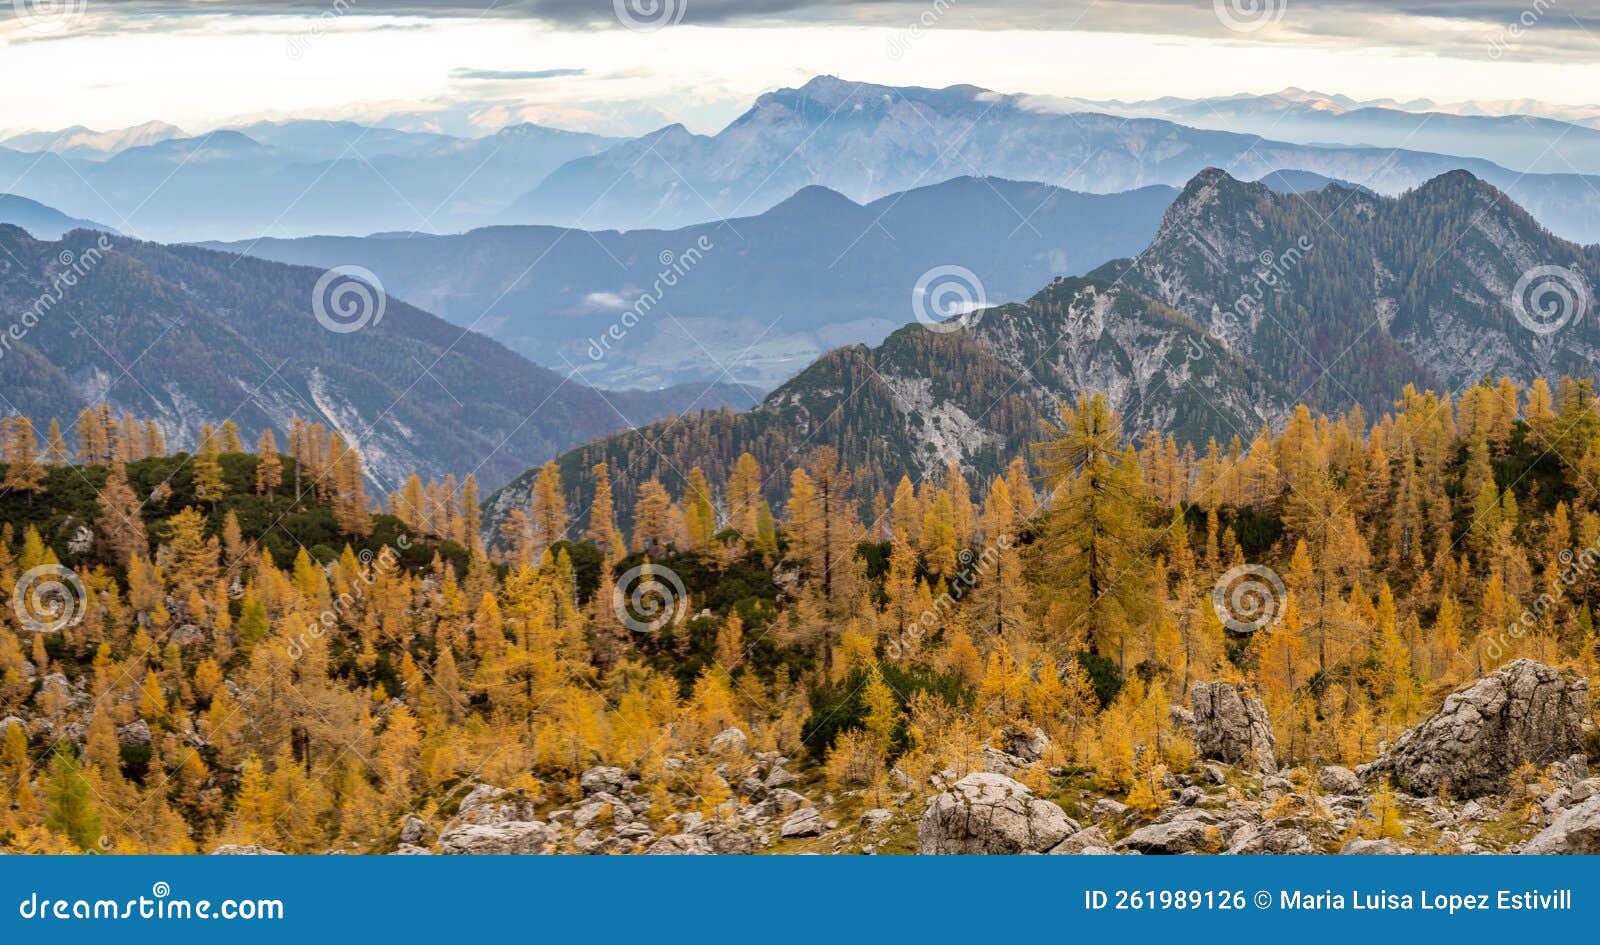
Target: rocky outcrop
(1232, 727)
(1574, 831)
(990, 813)
(244, 849)
(1524, 712)
(503, 839)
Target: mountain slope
(976, 396)
(45, 223)
(1245, 303)
(188, 336)
(1367, 292)
(765, 295)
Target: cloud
(514, 75)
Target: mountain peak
(815, 198)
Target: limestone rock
(603, 780)
(1525, 711)
(135, 734)
(489, 805)
(1336, 780)
(1359, 847)
(805, 822)
(876, 818)
(510, 838)
(731, 741)
(680, 845)
(244, 849)
(1172, 837)
(413, 830)
(1232, 727)
(990, 813)
(1090, 841)
(1575, 831)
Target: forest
(240, 646)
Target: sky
(628, 66)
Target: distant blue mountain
(772, 291)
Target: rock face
(990, 813)
(1575, 831)
(1526, 711)
(1232, 727)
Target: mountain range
(190, 336)
(765, 295)
(1520, 142)
(298, 177)
(865, 141)
(1245, 303)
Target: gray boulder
(1090, 841)
(1575, 831)
(603, 780)
(805, 822)
(1336, 780)
(516, 838)
(244, 849)
(1232, 727)
(135, 734)
(1525, 711)
(680, 845)
(1359, 847)
(990, 813)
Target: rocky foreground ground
(1500, 768)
